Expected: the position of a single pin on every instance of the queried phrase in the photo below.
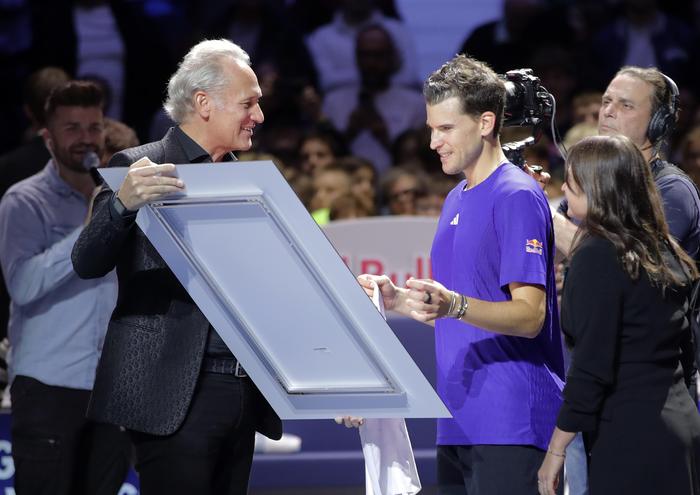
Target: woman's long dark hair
(624, 207)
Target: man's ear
(202, 104)
(487, 122)
(46, 136)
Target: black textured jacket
(156, 338)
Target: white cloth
(390, 468)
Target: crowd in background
(345, 118)
(344, 114)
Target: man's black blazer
(156, 338)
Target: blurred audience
(372, 113)
(363, 179)
(319, 148)
(690, 154)
(31, 157)
(281, 139)
(413, 146)
(645, 36)
(100, 50)
(329, 184)
(578, 132)
(429, 202)
(554, 65)
(400, 186)
(506, 43)
(333, 45)
(585, 107)
(346, 207)
(15, 50)
(347, 93)
(118, 137)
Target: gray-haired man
(165, 373)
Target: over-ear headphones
(664, 119)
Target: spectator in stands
(310, 15)
(413, 147)
(303, 186)
(346, 207)
(429, 202)
(319, 148)
(281, 139)
(400, 187)
(506, 43)
(585, 107)
(555, 66)
(645, 36)
(260, 29)
(374, 112)
(333, 46)
(100, 51)
(329, 183)
(118, 137)
(364, 180)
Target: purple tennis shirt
(501, 390)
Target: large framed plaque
(281, 298)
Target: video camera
(528, 103)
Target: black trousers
(488, 469)
(56, 450)
(212, 452)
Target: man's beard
(69, 159)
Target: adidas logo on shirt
(455, 220)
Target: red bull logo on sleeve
(533, 246)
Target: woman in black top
(624, 310)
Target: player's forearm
(517, 318)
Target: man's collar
(57, 182)
(193, 151)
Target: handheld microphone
(90, 162)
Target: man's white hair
(201, 70)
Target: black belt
(224, 366)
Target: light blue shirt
(57, 320)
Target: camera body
(527, 101)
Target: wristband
(120, 209)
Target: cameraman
(493, 300)
(642, 104)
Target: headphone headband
(664, 118)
